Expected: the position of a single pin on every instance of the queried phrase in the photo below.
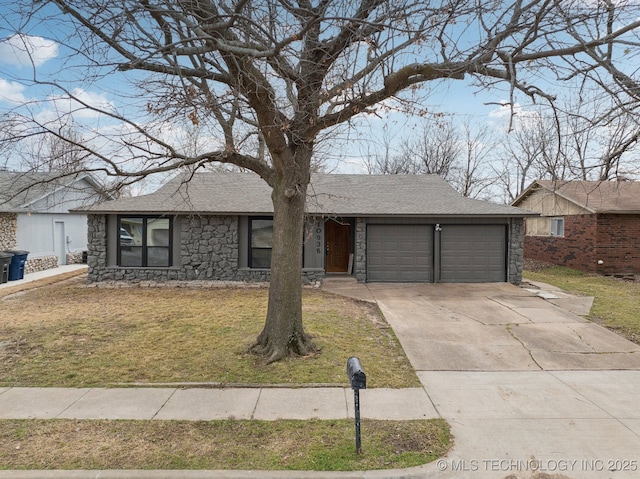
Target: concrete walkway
(527, 385)
(29, 279)
(201, 404)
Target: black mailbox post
(357, 380)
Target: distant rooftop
(595, 196)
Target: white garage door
(399, 253)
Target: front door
(337, 235)
(59, 242)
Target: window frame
(554, 230)
(145, 246)
(250, 247)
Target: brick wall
(612, 239)
(575, 250)
(618, 245)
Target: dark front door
(337, 235)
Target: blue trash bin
(5, 261)
(16, 267)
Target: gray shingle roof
(621, 197)
(20, 190)
(341, 195)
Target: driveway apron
(527, 386)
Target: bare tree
(438, 148)
(383, 157)
(597, 137)
(293, 71)
(472, 176)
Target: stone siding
(208, 248)
(77, 257)
(360, 267)
(41, 263)
(8, 230)
(516, 251)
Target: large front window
(144, 241)
(260, 242)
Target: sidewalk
(59, 272)
(199, 404)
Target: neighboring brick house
(395, 228)
(35, 217)
(592, 226)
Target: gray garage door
(473, 253)
(399, 253)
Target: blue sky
(21, 56)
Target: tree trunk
(283, 334)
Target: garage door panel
(399, 253)
(473, 253)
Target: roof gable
(47, 191)
(622, 197)
(338, 195)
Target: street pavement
(530, 388)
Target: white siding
(36, 233)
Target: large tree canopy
(269, 79)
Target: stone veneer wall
(516, 251)
(42, 263)
(208, 251)
(360, 266)
(8, 230)
(76, 257)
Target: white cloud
(74, 104)
(515, 115)
(11, 91)
(25, 50)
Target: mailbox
(357, 377)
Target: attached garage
(400, 253)
(448, 253)
(473, 253)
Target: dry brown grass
(263, 445)
(65, 334)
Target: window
(144, 241)
(557, 226)
(260, 242)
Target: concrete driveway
(527, 385)
(497, 327)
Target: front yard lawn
(70, 335)
(247, 445)
(616, 304)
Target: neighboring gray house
(396, 228)
(35, 217)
